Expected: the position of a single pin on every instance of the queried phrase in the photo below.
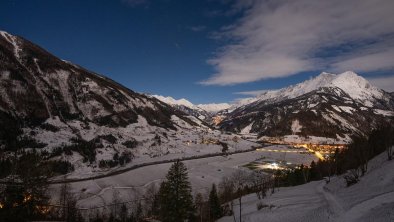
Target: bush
(61, 167)
(126, 157)
(261, 205)
(5, 167)
(108, 163)
(28, 142)
(351, 177)
(57, 151)
(132, 143)
(86, 148)
(224, 147)
(49, 127)
(110, 138)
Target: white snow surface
(296, 126)
(370, 200)
(383, 112)
(12, 40)
(202, 173)
(247, 129)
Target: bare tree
(69, 204)
(123, 213)
(260, 183)
(240, 180)
(150, 198)
(389, 143)
(115, 204)
(390, 152)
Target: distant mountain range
(329, 105)
(202, 111)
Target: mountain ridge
(67, 112)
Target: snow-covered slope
(214, 107)
(372, 199)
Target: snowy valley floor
(370, 200)
(132, 185)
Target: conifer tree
(175, 198)
(215, 210)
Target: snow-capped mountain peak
(214, 107)
(354, 85)
(171, 101)
(210, 108)
(357, 87)
(322, 103)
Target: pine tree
(314, 174)
(123, 213)
(175, 199)
(215, 210)
(199, 203)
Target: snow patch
(247, 129)
(347, 109)
(383, 112)
(296, 126)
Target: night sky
(211, 50)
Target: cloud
(383, 60)
(281, 38)
(198, 28)
(386, 83)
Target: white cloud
(284, 37)
(383, 60)
(386, 83)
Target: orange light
(43, 209)
(27, 198)
(1, 205)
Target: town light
(274, 165)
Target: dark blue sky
(158, 46)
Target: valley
(70, 134)
(203, 172)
